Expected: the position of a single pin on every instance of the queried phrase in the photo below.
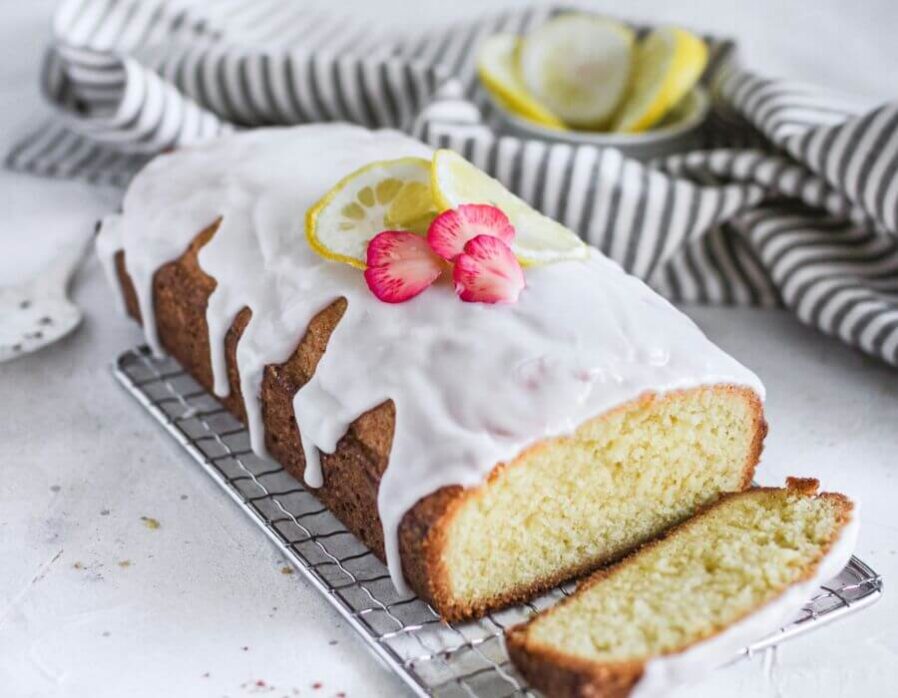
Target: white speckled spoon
(38, 312)
(47, 228)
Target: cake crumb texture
(570, 504)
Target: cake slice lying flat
(691, 601)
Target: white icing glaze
(664, 673)
(472, 384)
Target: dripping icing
(472, 384)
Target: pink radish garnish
(400, 265)
(451, 230)
(488, 272)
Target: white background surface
(202, 607)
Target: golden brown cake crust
(352, 474)
(560, 675)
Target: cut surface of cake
(690, 601)
(485, 452)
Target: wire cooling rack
(432, 657)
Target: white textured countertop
(93, 602)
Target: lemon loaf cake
(691, 601)
(485, 451)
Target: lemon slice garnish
(578, 65)
(389, 194)
(669, 62)
(538, 238)
(497, 68)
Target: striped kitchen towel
(793, 198)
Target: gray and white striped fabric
(793, 198)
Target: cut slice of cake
(690, 601)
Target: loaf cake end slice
(688, 602)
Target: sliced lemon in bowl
(579, 66)
(669, 63)
(497, 69)
(388, 194)
(538, 239)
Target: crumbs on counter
(317, 685)
(183, 497)
(206, 675)
(106, 633)
(55, 488)
(150, 522)
(332, 642)
(124, 564)
(104, 512)
(257, 686)
(91, 571)
(286, 570)
(245, 648)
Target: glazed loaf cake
(486, 453)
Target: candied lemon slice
(390, 194)
(497, 68)
(669, 62)
(579, 66)
(538, 239)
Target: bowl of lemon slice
(581, 78)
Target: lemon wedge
(389, 194)
(497, 69)
(538, 239)
(579, 66)
(669, 62)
